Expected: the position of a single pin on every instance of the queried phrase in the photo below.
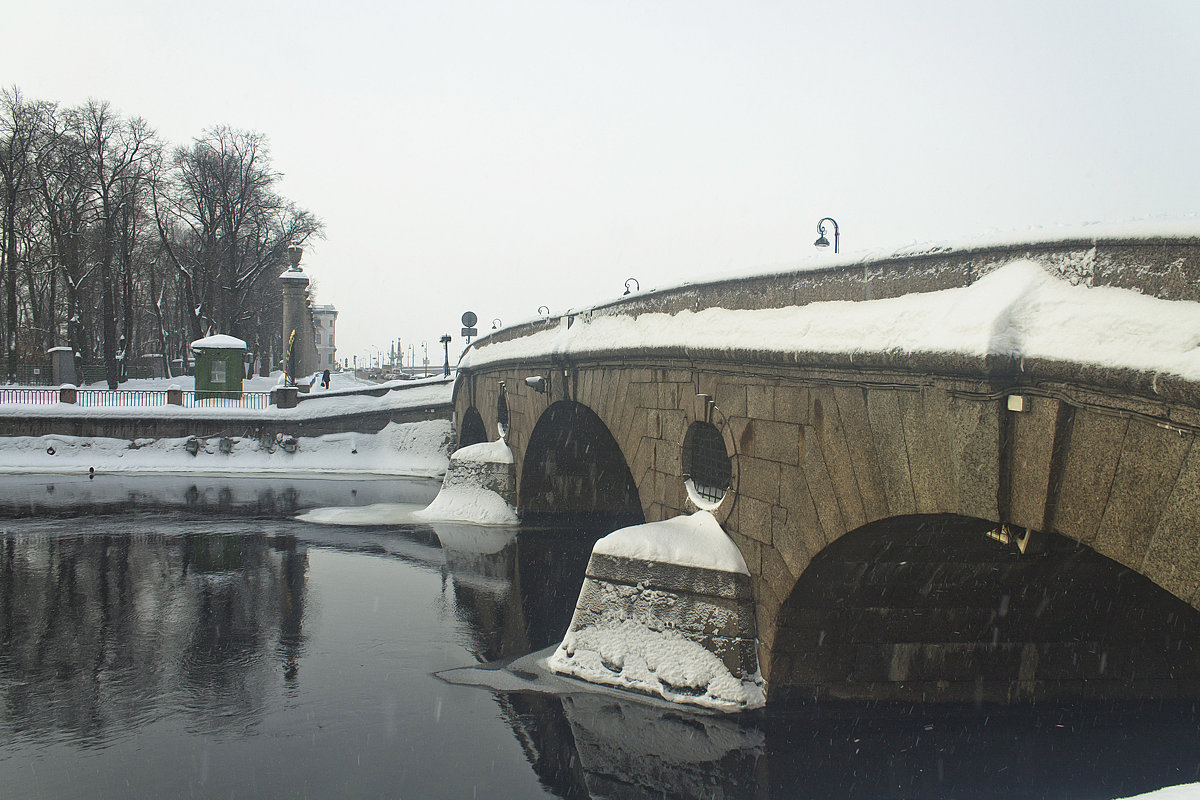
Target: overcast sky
(499, 156)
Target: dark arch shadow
(575, 473)
(472, 430)
(929, 608)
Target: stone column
(296, 317)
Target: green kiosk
(220, 366)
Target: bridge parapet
(1167, 267)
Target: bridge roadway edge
(823, 445)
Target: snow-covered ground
(412, 449)
(1019, 310)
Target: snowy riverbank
(418, 449)
(400, 449)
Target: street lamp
(821, 240)
(445, 340)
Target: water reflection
(275, 496)
(105, 632)
(599, 745)
(516, 592)
(301, 656)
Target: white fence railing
(135, 398)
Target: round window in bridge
(706, 466)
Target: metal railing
(248, 400)
(121, 398)
(28, 396)
(136, 398)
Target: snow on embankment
(413, 449)
(1186, 791)
(479, 487)
(1018, 310)
(666, 611)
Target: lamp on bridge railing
(634, 281)
(496, 323)
(821, 240)
(543, 311)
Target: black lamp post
(446, 348)
(821, 240)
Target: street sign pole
(469, 330)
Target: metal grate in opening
(706, 462)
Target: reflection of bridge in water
(814, 450)
(516, 593)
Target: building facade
(324, 325)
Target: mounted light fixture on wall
(537, 383)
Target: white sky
(499, 156)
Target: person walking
(325, 379)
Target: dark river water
(186, 642)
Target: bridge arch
(937, 608)
(472, 430)
(574, 470)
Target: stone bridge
(1062, 475)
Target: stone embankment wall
(146, 426)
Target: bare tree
(18, 133)
(109, 246)
(116, 150)
(224, 227)
(67, 203)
